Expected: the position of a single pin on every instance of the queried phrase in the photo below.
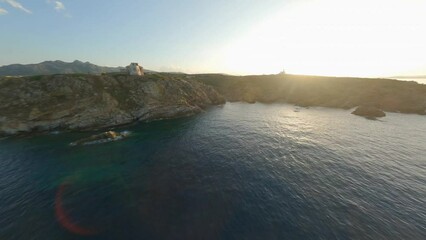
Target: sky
(366, 38)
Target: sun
(333, 37)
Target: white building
(135, 69)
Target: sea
(237, 171)
(418, 80)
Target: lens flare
(63, 217)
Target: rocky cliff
(78, 102)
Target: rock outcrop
(79, 102)
(369, 112)
(104, 137)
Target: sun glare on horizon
(332, 37)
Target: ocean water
(418, 80)
(238, 171)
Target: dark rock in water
(101, 138)
(369, 112)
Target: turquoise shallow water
(239, 171)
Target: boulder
(369, 112)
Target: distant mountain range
(54, 67)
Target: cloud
(3, 11)
(17, 5)
(59, 6)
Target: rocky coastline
(91, 102)
(381, 95)
(95, 102)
